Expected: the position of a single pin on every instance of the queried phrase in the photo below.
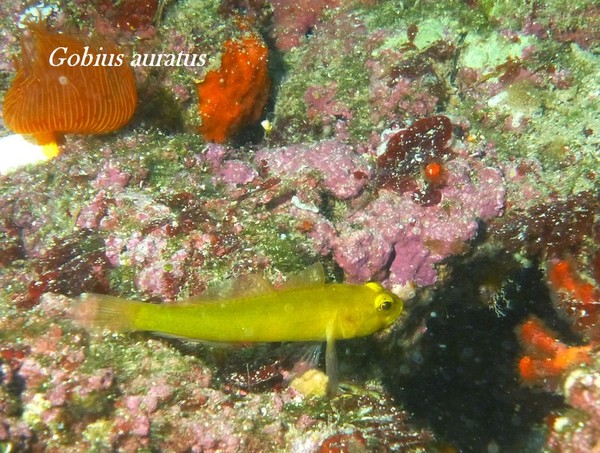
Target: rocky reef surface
(449, 150)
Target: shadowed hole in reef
(467, 388)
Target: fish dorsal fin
(312, 275)
(245, 285)
(255, 285)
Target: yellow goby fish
(250, 310)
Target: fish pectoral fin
(331, 364)
(312, 275)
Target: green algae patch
(97, 434)
(565, 152)
(485, 51)
(323, 75)
(277, 241)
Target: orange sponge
(548, 358)
(236, 94)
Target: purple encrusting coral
(232, 172)
(413, 238)
(293, 19)
(321, 103)
(343, 168)
(393, 234)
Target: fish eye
(384, 304)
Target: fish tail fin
(99, 311)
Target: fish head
(386, 305)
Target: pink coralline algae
(293, 19)
(91, 214)
(321, 103)
(404, 83)
(395, 231)
(232, 172)
(408, 220)
(415, 220)
(111, 177)
(577, 429)
(236, 172)
(344, 168)
(160, 267)
(158, 277)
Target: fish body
(255, 312)
(310, 313)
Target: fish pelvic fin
(99, 311)
(331, 365)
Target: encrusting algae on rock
(250, 310)
(489, 222)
